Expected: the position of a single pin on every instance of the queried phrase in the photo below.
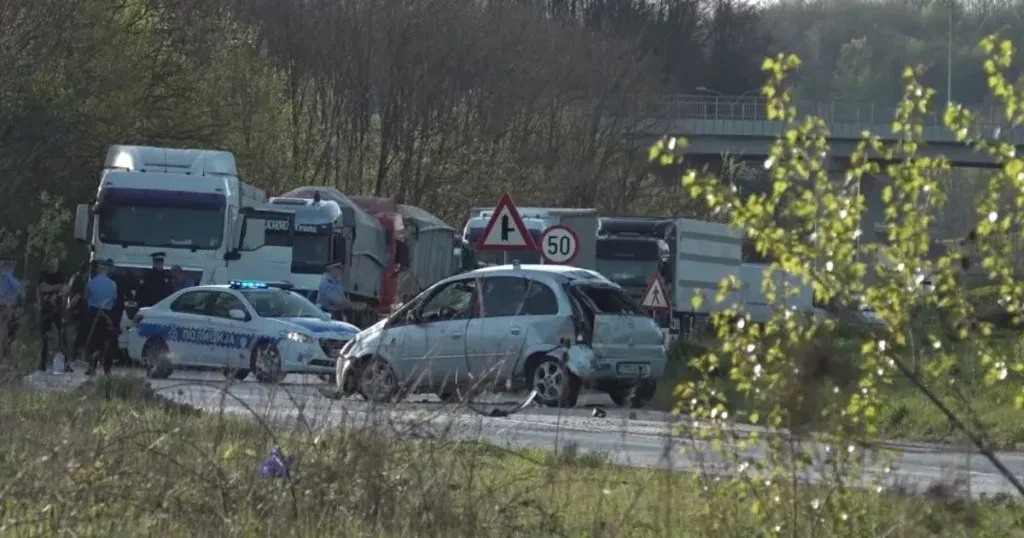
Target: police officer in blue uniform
(331, 294)
(10, 304)
(100, 297)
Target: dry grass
(115, 459)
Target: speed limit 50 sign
(559, 245)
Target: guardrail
(702, 107)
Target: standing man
(10, 304)
(331, 295)
(48, 310)
(76, 307)
(179, 279)
(155, 284)
(100, 296)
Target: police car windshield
(276, 303)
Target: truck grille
(332, 346)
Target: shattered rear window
(609, 300)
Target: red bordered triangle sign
(656, 296)
(505, 232)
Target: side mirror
(83, 218)
(236, 314)
(237, 229)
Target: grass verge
(114, 459)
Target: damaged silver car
(555, 329)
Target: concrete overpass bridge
(716, 126)
(739, 126)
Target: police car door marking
(193, 335)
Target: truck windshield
(165, 227)
(310, 250)
(276, 303)
(628, 273)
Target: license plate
(633, 369)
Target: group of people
(93, 300)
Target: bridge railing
(703, 107)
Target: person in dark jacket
(155, 284)
(76, 307)
(125, 295)
(48, 304)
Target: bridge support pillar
(870, 187)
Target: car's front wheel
(266, 363)
(556, 386)
(156, 356)
(377, 381)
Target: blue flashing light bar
(258, 285)
(248, 285)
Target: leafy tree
(797, 371)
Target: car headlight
(298, 337)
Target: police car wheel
(378, 382)
(154, 355)
(266, 364)
(556, 386)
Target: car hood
(320, 327)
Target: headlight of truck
(298, 337)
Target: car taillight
(137, 320)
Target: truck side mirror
(83, 220)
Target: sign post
(505, 232)
(559, 245)
(655, 297)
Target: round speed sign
(559, 245)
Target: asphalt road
(635, 438)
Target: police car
(241, 327)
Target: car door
(510, 306)
(230, 338)
(433, 349)
(184, 326)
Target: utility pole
(949, 58)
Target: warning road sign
(505, 232)
(559, 245)
(656, 296)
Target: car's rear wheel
(156, 356)
(266, 363)
(378, 382)
(633, 395)
(556, 386)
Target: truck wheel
(556, 386)
(633, 395)
(155, 355)
(266, 363)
